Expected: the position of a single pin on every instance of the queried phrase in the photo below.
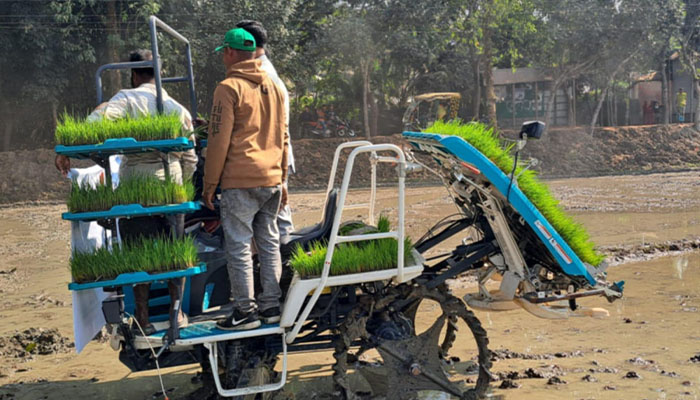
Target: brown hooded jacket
(248, 135)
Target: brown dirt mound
(29, 175)
(573, 152)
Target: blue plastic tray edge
(133, 210)
(140, 277)
(115, 146)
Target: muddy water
(661, 303)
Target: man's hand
(208, 194)
(285, 196)
(208, 198)
(62, 164)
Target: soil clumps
(34, 341)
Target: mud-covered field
(649, 347)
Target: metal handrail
(373, 181)
(334, 239)
(153, 24)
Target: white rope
(160, 377)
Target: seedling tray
(124, 146)
(133, 210)
(133, 278)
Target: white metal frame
(334, 239)
(373, 181)
(400, 274)
(214, 362)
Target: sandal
(148, 330)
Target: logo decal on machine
(542, 229)
(552, 241)
(559, 250)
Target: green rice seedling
(486, 141)
(352, 258)
(137, 189)
(71, 131)
(151, 255)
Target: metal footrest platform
(208, 334)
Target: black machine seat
(313, 233)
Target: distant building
(522, 95)
(647, 89)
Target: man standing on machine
(247, 154)
(255, 28)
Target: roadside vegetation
(365, 59)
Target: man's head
(139, 76)
(256, 29)
(239, 45)
(680, 90)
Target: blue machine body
(459, 148)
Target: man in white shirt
(255, 28)
(136, 103)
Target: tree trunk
(490, 92)
(696, 84)
(114, 77)
(7, 137)
(570, 98)
(54, 114)
(374, 125)
(609, 87)
(627, 106)
(615, 123)
(476, 107)
(487, 59)
(365, 93)
(598, 106)
(664, 94)
(549, 110)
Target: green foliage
(144, 190)
(71, 131)
(160, 254)
(352, 258)
(487, 142)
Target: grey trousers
(246, 214)
(284, 219)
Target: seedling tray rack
(133, 210)
(134, 278)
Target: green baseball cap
(238, 39)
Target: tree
(498, 30)
(690, 49)
(55, 47)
